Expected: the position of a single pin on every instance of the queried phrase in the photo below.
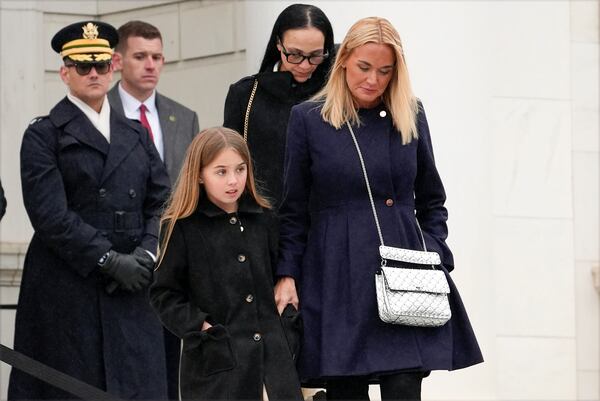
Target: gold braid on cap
(84, 49)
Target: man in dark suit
(139, 57)
(93, 187)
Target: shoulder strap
(364, 169)
(247, 117)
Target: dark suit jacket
(178, 123)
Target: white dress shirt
(131, 107)
(99, 120)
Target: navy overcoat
(85, 196)
(329, 245)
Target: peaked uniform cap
(86, 41)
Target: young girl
(214, 283)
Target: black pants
(399, 386)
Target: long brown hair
(205, 147)
(338, 104)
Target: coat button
(249, 298)
(132, 193)
(241, 258)
(256, 337)
(389, 202)
(233, 220)
(102, 192)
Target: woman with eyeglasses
(294, 68)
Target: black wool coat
(275, 95)
(218, 267)
(85, 196)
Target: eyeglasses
(85, 68)
(298, 58)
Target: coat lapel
(123, 138)
(114, 99)
(168, 126)
(76, 124)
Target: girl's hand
(206, 326)
(285, 293)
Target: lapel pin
(172, 118)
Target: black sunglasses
(85, 68)
(298, 58)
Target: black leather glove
(144, 258)
(127, 271)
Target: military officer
(93, 186)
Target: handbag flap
(409, 255)
(416, 280)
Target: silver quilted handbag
(411, 297)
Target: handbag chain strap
(247, 116)
(364, 170)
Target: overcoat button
(241, 258)
(102, 192)
(232, 220)
(249, 298)
(256, 336)
(389, 202)
(132, 193)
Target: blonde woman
(329, 241)
(214, 284)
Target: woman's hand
(206, 326)
(285, 293)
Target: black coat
(275, 95)
(84, 197)
(216, 271)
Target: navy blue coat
(84, 197)
(329, 245)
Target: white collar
(87, 110)
(99, 120)
(131, 105)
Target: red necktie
(144, 120)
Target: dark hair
(133, 29)
(298, 16)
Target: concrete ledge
(12, 256)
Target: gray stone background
(511, 91)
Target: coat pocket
(293, 327)
(208, 352)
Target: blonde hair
(338, 104)
(205, 147)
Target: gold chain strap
(247, 117)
